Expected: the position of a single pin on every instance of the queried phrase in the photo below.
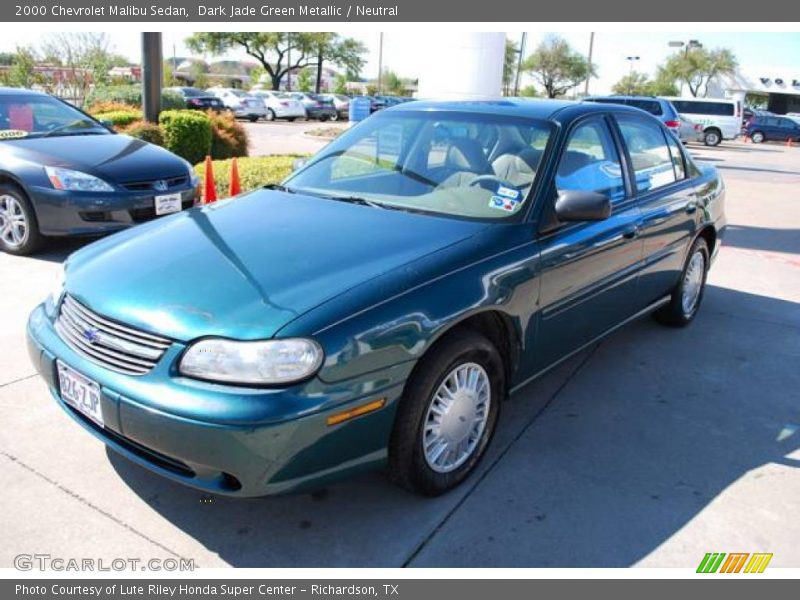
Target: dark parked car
(378, 307)
(774, 128)
(316, 106)
(64, 173)
(197, 99)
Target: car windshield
(464, 165)
(193, 92)
(32, 116)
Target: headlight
(267, 362)
(58, 286)
(76, 181)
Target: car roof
(6, 91)
(556, 110)
(626, 97)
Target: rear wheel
(712, 137)
(447, 415)
(253, 118)
(688, 294)
(335, 116)
(270, 116)
(757, 137)
(19, 229)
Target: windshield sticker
(501, 203)
(12, 134)
(507, 192)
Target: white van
(721, 118)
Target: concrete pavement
(651, 448)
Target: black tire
(408, 466)
(757, 137)
(252, 118)
(323, 118)
(712, 137)
(291, 119)
(270, 116)
(335, 116)
(674, 314)
(33, 239)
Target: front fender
(394, 319)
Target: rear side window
(699, 107)
(651, 106)
(649, 152)
(590, 162)
(677, 157)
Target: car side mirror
(299, 163)
(580, 205)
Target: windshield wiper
(279, 187)
(355, 200)
(70, 125)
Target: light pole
(521, 53)
(691, 44)
(631, 60)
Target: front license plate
(167, 204)
(79, 392)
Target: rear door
(666, 199)
(589, 269)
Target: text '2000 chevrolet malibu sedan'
(377, 308)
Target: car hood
(245, 268)
(115, 158)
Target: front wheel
(270, 116)
(447, 415)
(688, 294)
(19, 229)
(712, 137)
(757, 137)
(335, 116)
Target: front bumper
(234, 441)
(61, 212)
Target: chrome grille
(105, 342)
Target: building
(779, 88)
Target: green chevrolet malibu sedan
(377, 308)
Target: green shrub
(144, 130)
(106, 106)
(228, 137)
(187, 133)
(132, 96)
(120, 118)
(254, 172)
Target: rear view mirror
(299, 163)
(580, 205)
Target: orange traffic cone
(210, 188)
(235, 188)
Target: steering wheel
(482, 180)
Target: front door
(589, 269)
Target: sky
(403, 52)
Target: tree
(634, 84)
(557, 67)
(85, 58)
(529, 91)
(340, 85)
(697, 66)
(282, 52)
(510, 60)
(303, 81)
(23, 72)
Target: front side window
(590, 162)
(27, 116)
(472, 165)
(649, 152)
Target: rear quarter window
(697, 107)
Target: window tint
(677, 157)
(651, 106)
(590, 162)
(650, 154)
(699, 107)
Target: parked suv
(761, 129)
(660, 108)
(316, 106)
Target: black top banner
(494, 11)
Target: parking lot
(650, 449)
